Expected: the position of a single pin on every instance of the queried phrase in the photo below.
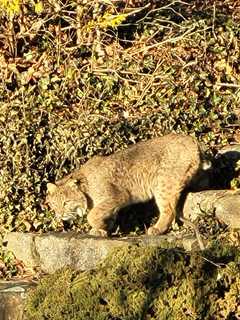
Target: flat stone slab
(53, 251)
(225, 204)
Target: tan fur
(159, 168)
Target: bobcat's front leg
(102, 217)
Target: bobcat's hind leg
(167, 204)
(168, 193)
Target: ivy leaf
(38, 7)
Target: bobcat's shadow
(137, 217)
(226, 167)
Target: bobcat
(159, 168)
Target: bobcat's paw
(98, 233)
(152, 231)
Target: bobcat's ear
(51, 188)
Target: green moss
(53, 306)
(142, 283)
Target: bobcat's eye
(67, 204)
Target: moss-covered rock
(145, 283)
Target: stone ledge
(53, 251)
(225, 204)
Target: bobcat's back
(139, 168)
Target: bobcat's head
(66, 200)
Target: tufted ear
(51, 188)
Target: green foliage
(111, 21)
(144, 283)
(11, 7)
(9, 265)
(79, 79)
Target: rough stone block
(23, 247)
(224, 203)
(53, 251)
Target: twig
(171, 40)
(230, 85)
(213, 22)
(192, 225)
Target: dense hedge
(145, 283)
(90, 77)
